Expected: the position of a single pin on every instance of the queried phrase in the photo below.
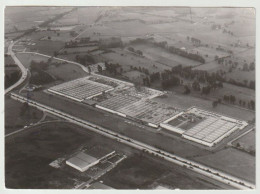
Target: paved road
(194, 166)
(20, 65)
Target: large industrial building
(122, 98)
(84, 160)
(202, 126)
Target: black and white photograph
(129, 97)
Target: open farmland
(164, 57)
(80, 49)
(127, 59)
(24, 19)
(211, 66)
(54, 35)
(241, 93)
(47, 47)
(236, 162)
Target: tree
(131, 49)
(252, 66)
(187, 89)
(89, 70)
(252, 104)
(252, 84)
(245, 67)
(232, 99)
(214, 104)
(99, 68)
(55, 53)
(206, 90)
(196, 85)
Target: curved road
(20, 65)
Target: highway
(194, 166)
(20, 65)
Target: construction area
(203, 127)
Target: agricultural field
(54, 35)
(134, 76)
(24, 19)
(47, 47)
(211, 66)
(127, 59)
(241, 93)
(159, 55)
(86, 49)
(236, 162)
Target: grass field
(16, 119)
(162, 56)
(235, 162)
(80, 49)
(212, 66)
(144, 173)
(185, 101)
(127, 59)
(62, 72)
(28, 17)
(240, 76)
(247, 141)
(47, 47)
(29, 153)
(55, 36)
(239, 92)
(9, 60)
